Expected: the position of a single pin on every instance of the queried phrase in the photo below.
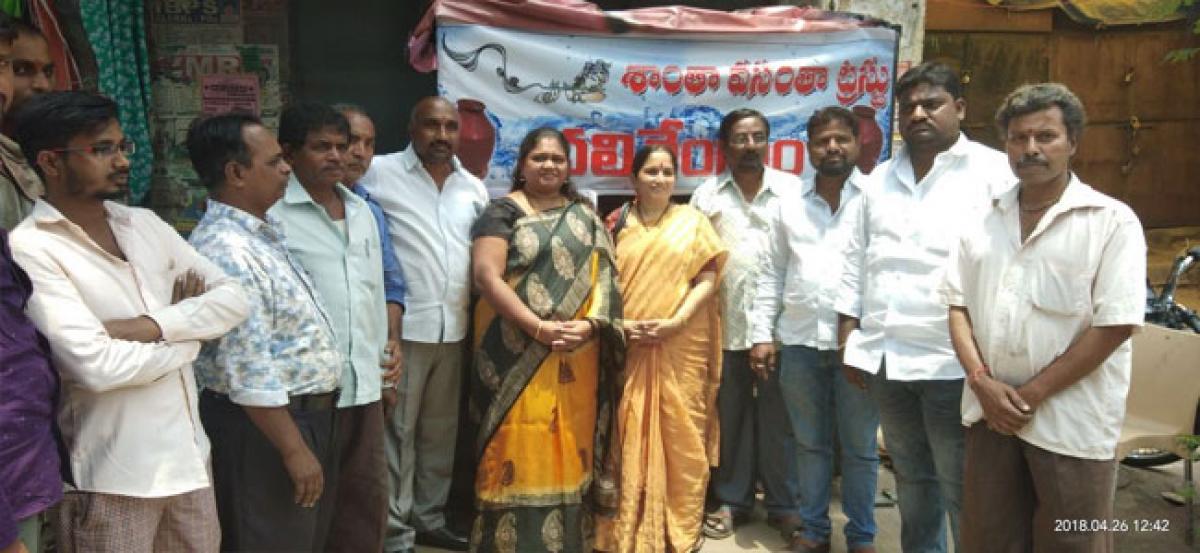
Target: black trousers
(253, 489)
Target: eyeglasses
(744, 139)
(104, 149)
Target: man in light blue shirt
(333, 234)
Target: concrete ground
(1139, 498)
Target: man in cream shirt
(430, 201)
(124, 302)
(756, 438)
(1044, 297)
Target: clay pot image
(476, 137)
(870, 138)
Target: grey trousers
(420, 440)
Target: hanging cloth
(117, 31)
(66, 69)
(11, 7)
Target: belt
(305, 402)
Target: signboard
(226, 93)
(612, 94)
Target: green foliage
(1190, 9)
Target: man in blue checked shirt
(276, 375)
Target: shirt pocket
(1059, 290)
(366, 260)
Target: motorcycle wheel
(1148, 457)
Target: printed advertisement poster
(612, 94)
(226, 93)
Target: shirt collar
(412, 161)
(44, 213)
(1077, 195)
(297, 194)
(360, 191)
(217, 209)
(808, 185)
(768, 182)
(903, 163)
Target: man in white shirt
(430, 201)
(1043, 299)
(794, 305)
(893, 327)
(124, 303)
(756, 437)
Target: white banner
(611, 94)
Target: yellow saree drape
(540, 424)
(667, 426)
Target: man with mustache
(756, 437)
(892, 323)
(29, 462)
(19, 184)
(430, 201)
(268, 385)
(794, 305)
(333, 234)
(358, 158)
(1043, 299)
(124, 303)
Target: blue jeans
(923, 433)
(817, 395)
(755, 437)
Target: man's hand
(855, 376)
(1003, 408)
(138, 329)
(762, 359)
(393, 367)
(187, 285)
(306, 475)
(390, 397)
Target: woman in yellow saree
(548, 350)
(669, 260)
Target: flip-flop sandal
(718, 525)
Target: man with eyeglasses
(756, 436)
(332, 233)
(19, 185)
(124, 302)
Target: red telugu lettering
(579, 157)
(701, 78)
(777, 155)
(612, 154)
(638, 78)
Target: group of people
(288, 378)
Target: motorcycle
(1163, 310)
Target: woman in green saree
(548, 348)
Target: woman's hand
(652, 331)
(563, 335)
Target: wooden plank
(992, 64)
(973, 15)
(1159, 183)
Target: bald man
(430, 201)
